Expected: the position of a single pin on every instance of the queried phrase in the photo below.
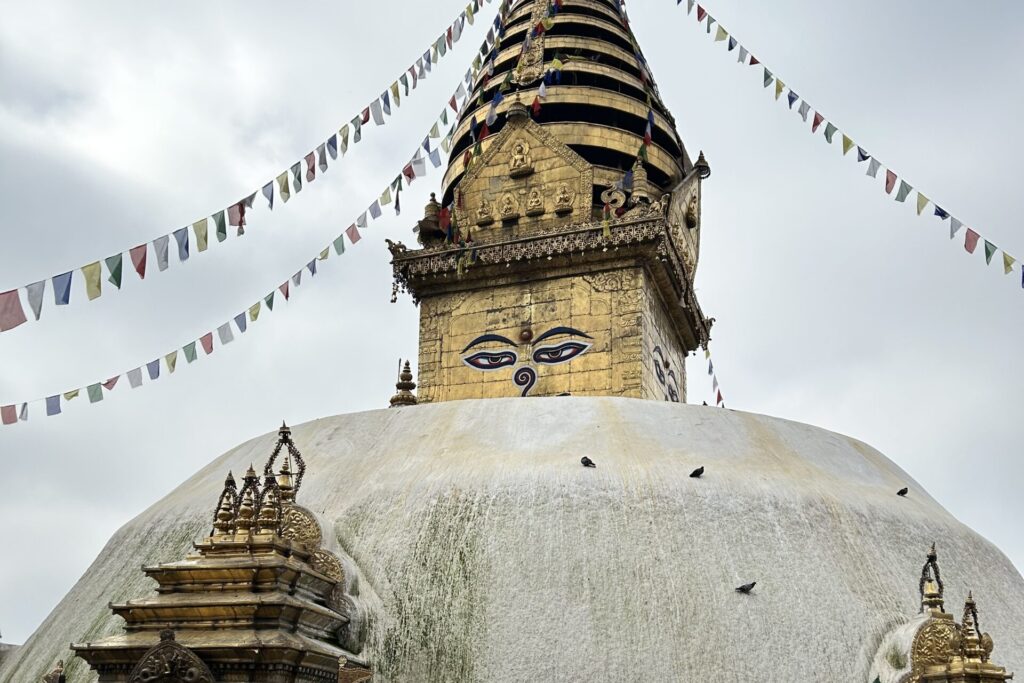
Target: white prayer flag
(225, 333)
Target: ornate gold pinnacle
(405, 387)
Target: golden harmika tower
(561, 257)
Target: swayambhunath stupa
(603, 529)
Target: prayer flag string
(195, 238)
(895, 185)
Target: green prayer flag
(404, 80)
(200, 228)
(444, 116)
(904, 191)
(768, 78)
(339, 245)
(830, 131)
(990, 251)
(269, 299)
(190, 352)
(296, 176)
(114, 265)
(95, 392)
(222, 226)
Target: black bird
(587, 462)
(746, 588)
(903, 492)
(697, 473)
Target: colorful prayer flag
(990, 251)
(971, 241)
(135, 376)
(153, 368)
(282, 187)
(62, 289)
(225, 334)
(818, 120)
(890, 181)
(11, 313)
(53, 405)
(172, 361)
(9, 415)
(353, 234)
(1008, 262)
(114, 268)
(181, 237)
(268, 192)
(95, 393)
(922, 202)
(904, 192)
(830, 131)
(847, 144)
(206, 341)
(200, 228)
(35, 292)
(954, 226)
(92, 274)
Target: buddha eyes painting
(491, 352)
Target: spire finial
(269, 505)
(224, 515)
(930, 586)
(245, 508)
(702, 167)
(405, 386)
(287, 485)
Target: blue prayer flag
(154, 369)
(52, 405)
(62, 289)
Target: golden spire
(224, 515)
(405, 387)
(269, 506)
(931, 587)
(245, 512)
(288, 483)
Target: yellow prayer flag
(282, 183)
(70, 395)
(394, 94)
(707, 353)
(469, 13)
(721, 35)
(254, 311)
(779, 88)
(92, 274)
(1008, 262)
(922, 202)
(847, 144)
(202, 233)
(172, 361)
(325, 254)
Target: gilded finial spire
(269, 504)
(224, 515)
(245, 509)
(930, 587)
(287, 483)
(405, 387)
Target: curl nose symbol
(524, 378)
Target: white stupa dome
(486, 552)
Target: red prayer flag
(138, 255)
(207, 341)
(8, 415)
(700, 13)
(310, 167)
(285, 291)
(890, 181)
(366, 115)
(753, 61)
(353, 234)
(454, 104)
(111, 383)
(818, 120)
(971, 241)
(536, 106)
(11, 312)
(720, 399)
(409, 173)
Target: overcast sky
(121, 121)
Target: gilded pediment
(525, 182)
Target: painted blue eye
(491, 360)
(559, 353)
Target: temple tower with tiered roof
(561, 256)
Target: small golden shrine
(934, 648)
(561, 256)
(260, 599)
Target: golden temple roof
(600, 92)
